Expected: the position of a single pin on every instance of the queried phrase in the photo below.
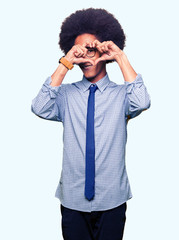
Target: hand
(77, 55)
(108, 50)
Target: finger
(99, 60)
(96, 42)
(79, 52)
(83, 60)
(89, 44)
(109, 43)
(98, 45)
(83, 49)
(106, 48)
(99, 48)
(103, 46)
(93, 45)
(86, 44)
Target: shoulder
(117, 87)
(68, 86)
(71, 88)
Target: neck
(97, 77)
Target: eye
(91, 50)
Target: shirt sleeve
(50, 102)
(137, 98)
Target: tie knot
(93, 87)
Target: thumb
(99, 60)
(83, 60)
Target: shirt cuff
(54, 90)
(138, 82)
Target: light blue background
(31, 148)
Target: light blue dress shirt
(114, 104)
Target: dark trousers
(96, 225)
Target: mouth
(86, 66)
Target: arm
(137, 98)
(75, 56)
(50, 101)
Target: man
(94, 186)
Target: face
(94, 72)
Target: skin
(97, 70)
(106, 50)
(77, 55)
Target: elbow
(145, 105)
(36, 112)
(35, 109)
(48, 114)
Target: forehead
(85, 37)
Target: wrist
(66, 62)
(120, 58)
(69, 58)
(117, 58)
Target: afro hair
(98, 22)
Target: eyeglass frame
(95, 50)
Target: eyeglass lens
(91, 52)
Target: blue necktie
(90, 145)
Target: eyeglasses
(91, 52)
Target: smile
(86, 66)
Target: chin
(89, 75)
(94, 74)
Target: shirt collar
(102, 83)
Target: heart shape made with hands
(107, 49)
(103, 57)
